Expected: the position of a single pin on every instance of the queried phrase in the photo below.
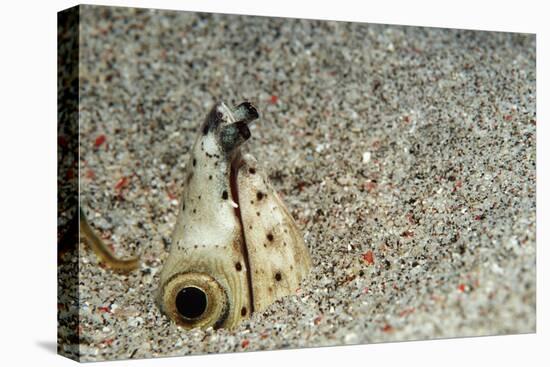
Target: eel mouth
(221, 115)
(241, 116)
(234, 131)
(244, 114)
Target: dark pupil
(191, 302)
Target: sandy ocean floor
(405, 154)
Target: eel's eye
(195, 300)
(191, 302)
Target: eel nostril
(191, 302)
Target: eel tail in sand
(103, 252)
